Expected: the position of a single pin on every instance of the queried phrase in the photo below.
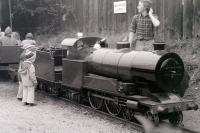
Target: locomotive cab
(82, 47)
(77, 50)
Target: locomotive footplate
(4, 68)
(172, 104)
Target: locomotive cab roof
(79, 48)
(68, 42)
(75, 42)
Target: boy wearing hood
(28, 47)
(28, 78)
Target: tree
(34, 15)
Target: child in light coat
(29, 82)
(27, 47)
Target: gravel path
(51, 115)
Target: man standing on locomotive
(142, 27)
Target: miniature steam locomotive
(125, 82)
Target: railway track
(186, 130)
(138, 127)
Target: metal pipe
(10, 13)
(132, 104)
(102, 97)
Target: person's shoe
(32, 104)
(20, 99)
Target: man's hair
(147, 3)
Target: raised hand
(150, 11)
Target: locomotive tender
(9, 60)
(126, 82)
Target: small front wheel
(176, 118)
(153, 117)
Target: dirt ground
(51, 115)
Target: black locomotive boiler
(126, 82)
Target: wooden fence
(179, 18)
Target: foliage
(42, 13)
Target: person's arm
(1, 44)
(132, 30)
(131, 37)
(34, 42)
(153, 18)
